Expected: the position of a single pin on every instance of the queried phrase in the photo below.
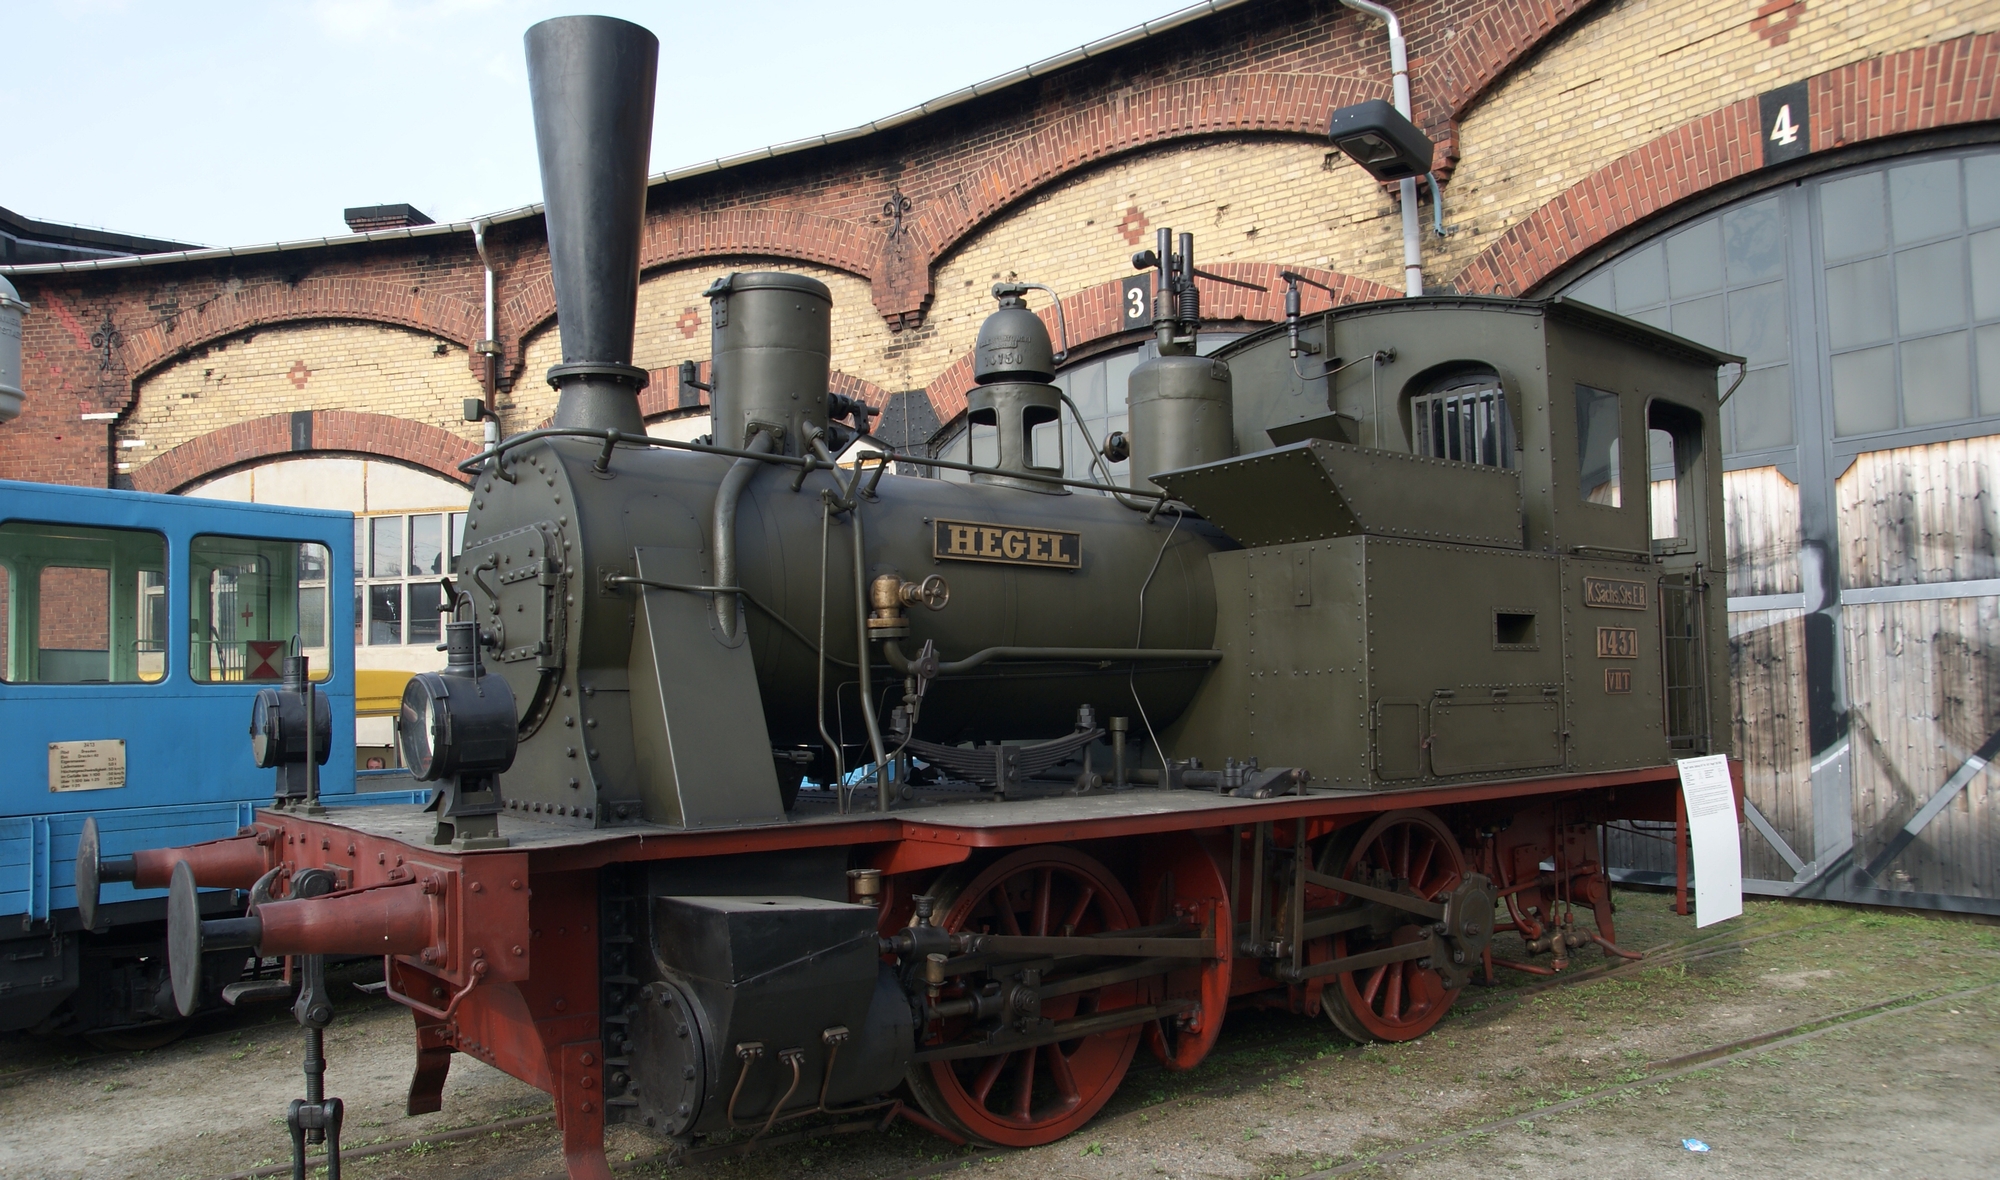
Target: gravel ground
(1573, 1081)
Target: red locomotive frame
(495, 954)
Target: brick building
(1797, 180)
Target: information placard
(87, 766)
(1718, 857)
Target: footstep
(1694, 1145)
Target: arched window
(1867, 299)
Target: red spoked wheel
(1032, 1096)
(1414, 853)
(1183, 881)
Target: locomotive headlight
(267, 735)
(278, 727)
(456, 722)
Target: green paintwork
(1375, 632)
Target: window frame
(452, 532)
(1809, 354)
(18, 606)
(322, 669)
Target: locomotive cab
(1481, 533)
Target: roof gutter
(1046, 66)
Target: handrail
(809, 462)
(1094, 655)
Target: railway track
(1665, 954)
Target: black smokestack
(590, 79)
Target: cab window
(252, 602)
(81, 605)
(1597, 446)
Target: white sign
(1718, 857)
(87, 766)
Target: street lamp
(1381, 140)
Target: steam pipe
(726, 607)
(901, 662)
(862, 660)
(1399, 64)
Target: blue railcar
(135, 630)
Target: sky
(231, 124)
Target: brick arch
(786, 234)
(1940, 85)
(1098, 313)
(376, 436)
(1233, 104)
(1486, 45)
(662, 394)
(365, 300)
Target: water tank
(11, 310)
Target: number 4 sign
(1787, 123)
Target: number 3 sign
(1136, 300)
(1787, 126)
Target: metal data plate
(97, 765)
(1314, 490)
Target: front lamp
(459, 722)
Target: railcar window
(398, 561)
(77, 604)
(252, 602)
(1597, 446)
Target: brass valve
(888, 594)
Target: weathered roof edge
(1049, 65)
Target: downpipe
(1399, 63)
(489, 345)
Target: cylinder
(1182, 414)
(11, 310)
(234, 862)
(772, 346)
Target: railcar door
(1679, 505)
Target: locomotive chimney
(590, 80)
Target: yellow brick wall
(1269, 201)
(1617, 79)
(1639, 68)
(365, 368)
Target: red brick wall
(1266, 68)
(887, 208)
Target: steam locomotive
(1405, 600)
